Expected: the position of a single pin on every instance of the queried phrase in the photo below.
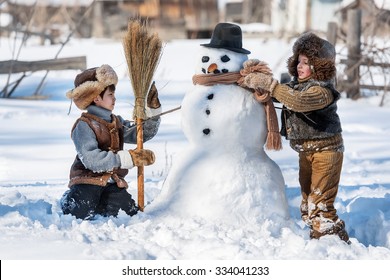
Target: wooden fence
(10, 67)
(17, 66)
(352, 85)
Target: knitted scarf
(274, 141)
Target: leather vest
(110, 138)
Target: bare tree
(38, 17)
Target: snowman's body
(224, 174)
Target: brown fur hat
(321, 55)
(90, 83)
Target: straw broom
(143, 52)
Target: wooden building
(375, 16)
(108, 18)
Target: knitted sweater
(309, 119)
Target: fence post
(353, 45)
(331, 34)
(97, 20)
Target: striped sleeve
(314, 98)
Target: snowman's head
(218, 60)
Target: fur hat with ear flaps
(90, 83)
(321, 55)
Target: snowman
(224, 175)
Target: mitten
(250, 63)
(255, 65)
(260, 81)
(152, 100)
(142, 157)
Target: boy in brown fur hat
(97, 184)
(311, 123)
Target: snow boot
(338, 229)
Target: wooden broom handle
(140, 169)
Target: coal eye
(225, 58)
(205, 59)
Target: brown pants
(319, 176)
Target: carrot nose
(212, 67)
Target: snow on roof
(53, 2)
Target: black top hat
(227, 36)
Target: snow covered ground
(36, 153)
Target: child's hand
(152, 100)
(259, 81)
(250, 63)
(257, 76)
(136, 157)
(254, 66)
(142, 157)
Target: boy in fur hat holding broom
(311, 123)
(97, 184)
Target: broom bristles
(143, 52)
